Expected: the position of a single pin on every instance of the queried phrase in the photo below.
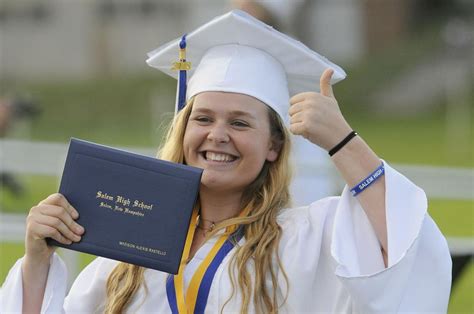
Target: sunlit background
(76, 69)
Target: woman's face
(228, 135)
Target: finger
(45, 231)
(297, 128)
(300, 97)
(59, 200)
(298, 117)
(294, 109)
(59, 225)
(325, 83)
(63, 215)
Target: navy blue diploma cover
(134, 208)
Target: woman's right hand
(51, 218)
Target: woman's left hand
(317, 117)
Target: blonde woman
(374, 249)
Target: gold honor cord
(178, 280)
(186, 303)
(192, 292)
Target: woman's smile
(218, 157)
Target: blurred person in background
(13, 109)
(6, 115)
(281, 14)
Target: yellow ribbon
(187, 302)
(179, 279)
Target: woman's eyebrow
(233, 113)
(240, 113)
(202, 110)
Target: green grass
(379, 68)
(416, 140)
(455, 218)
(9, 253)
(113, 111)
(36, 188)
(462, 300)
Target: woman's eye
(202, 119)
(240, 123)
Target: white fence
(44, 158)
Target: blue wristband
(368, 181)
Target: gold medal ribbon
(195, 298)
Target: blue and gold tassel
(183, 67)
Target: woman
(377, 251)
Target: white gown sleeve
(88, 292)
(418, 276)
(12, 289)
(87, 295)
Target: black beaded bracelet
(341, 144)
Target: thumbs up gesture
(317, 117)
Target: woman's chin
(217, 184)
(212, 184)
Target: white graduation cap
(237, 53)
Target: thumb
(325, 83)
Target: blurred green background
(132, 108)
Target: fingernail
(79, 229)
(78, 238)
(75, 213)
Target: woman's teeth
(219, 157)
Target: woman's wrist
(34, 278)
(336, 135)
(355, 161)
(36, 262)
(342, 143)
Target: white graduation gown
(330, 254)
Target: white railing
(45, 158)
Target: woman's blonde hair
(262, 202)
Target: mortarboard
(235, 52)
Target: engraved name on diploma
(142, 248)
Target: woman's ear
(273, 151)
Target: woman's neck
(219, 206)
(215, 207)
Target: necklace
(200, 226)
(206, 229)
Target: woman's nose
(218, 133)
